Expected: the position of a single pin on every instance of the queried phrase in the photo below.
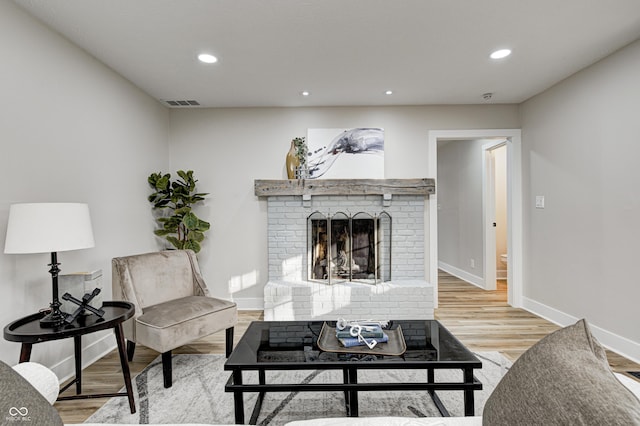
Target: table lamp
(49, 228)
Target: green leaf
(175, 242)
(182, 211)
(193, 245)
(153, 178)
(203, 225)
(190, 220)
(196, 236)
(162, 183)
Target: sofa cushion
(168, 325)
(21, 403)
(563, 379)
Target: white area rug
(198, 396)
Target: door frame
(514, 205)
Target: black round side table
(27, 331)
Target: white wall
(229, 148)
(581, 151)
(71, 130)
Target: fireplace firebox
(349, 248)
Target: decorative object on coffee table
(49, 228)
(394, 346)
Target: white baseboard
(621, 345)
(501, 274)
(249, 303)
(463, 275)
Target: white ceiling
(345, 52)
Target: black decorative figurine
(82, 305)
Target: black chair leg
(166, 369)
(131, 348)
(229, 341)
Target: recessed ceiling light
(207, 58)
(499, 54)
(305, 93)
(388, 92)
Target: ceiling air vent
(183, 103)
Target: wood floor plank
(481, 319)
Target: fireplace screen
(349, 248)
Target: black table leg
(238, 402)
(469, 402)
(77, 353)
(352, 378)
(345, 380)
(434, 397)
(256, 409)
(126, 374)
(25, 352)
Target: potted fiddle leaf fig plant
(181, 227)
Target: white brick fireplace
(291, 294)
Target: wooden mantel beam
(268, 188)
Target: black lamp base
(53, 319)
(56, 317)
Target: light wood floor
(481, 319)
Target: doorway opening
(494, 214)
(511, 139)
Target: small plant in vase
(182, 228)
(297, 159)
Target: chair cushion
(167, 325)
(21, 403)
(565, 378)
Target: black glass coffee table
(293, 345)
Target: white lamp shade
(48, 227)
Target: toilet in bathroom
(502, 272)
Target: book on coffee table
(369, 331)
(351, 341)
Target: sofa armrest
(40, 377)
(629, 383)
(391, 421)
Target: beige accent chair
(172, 302)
